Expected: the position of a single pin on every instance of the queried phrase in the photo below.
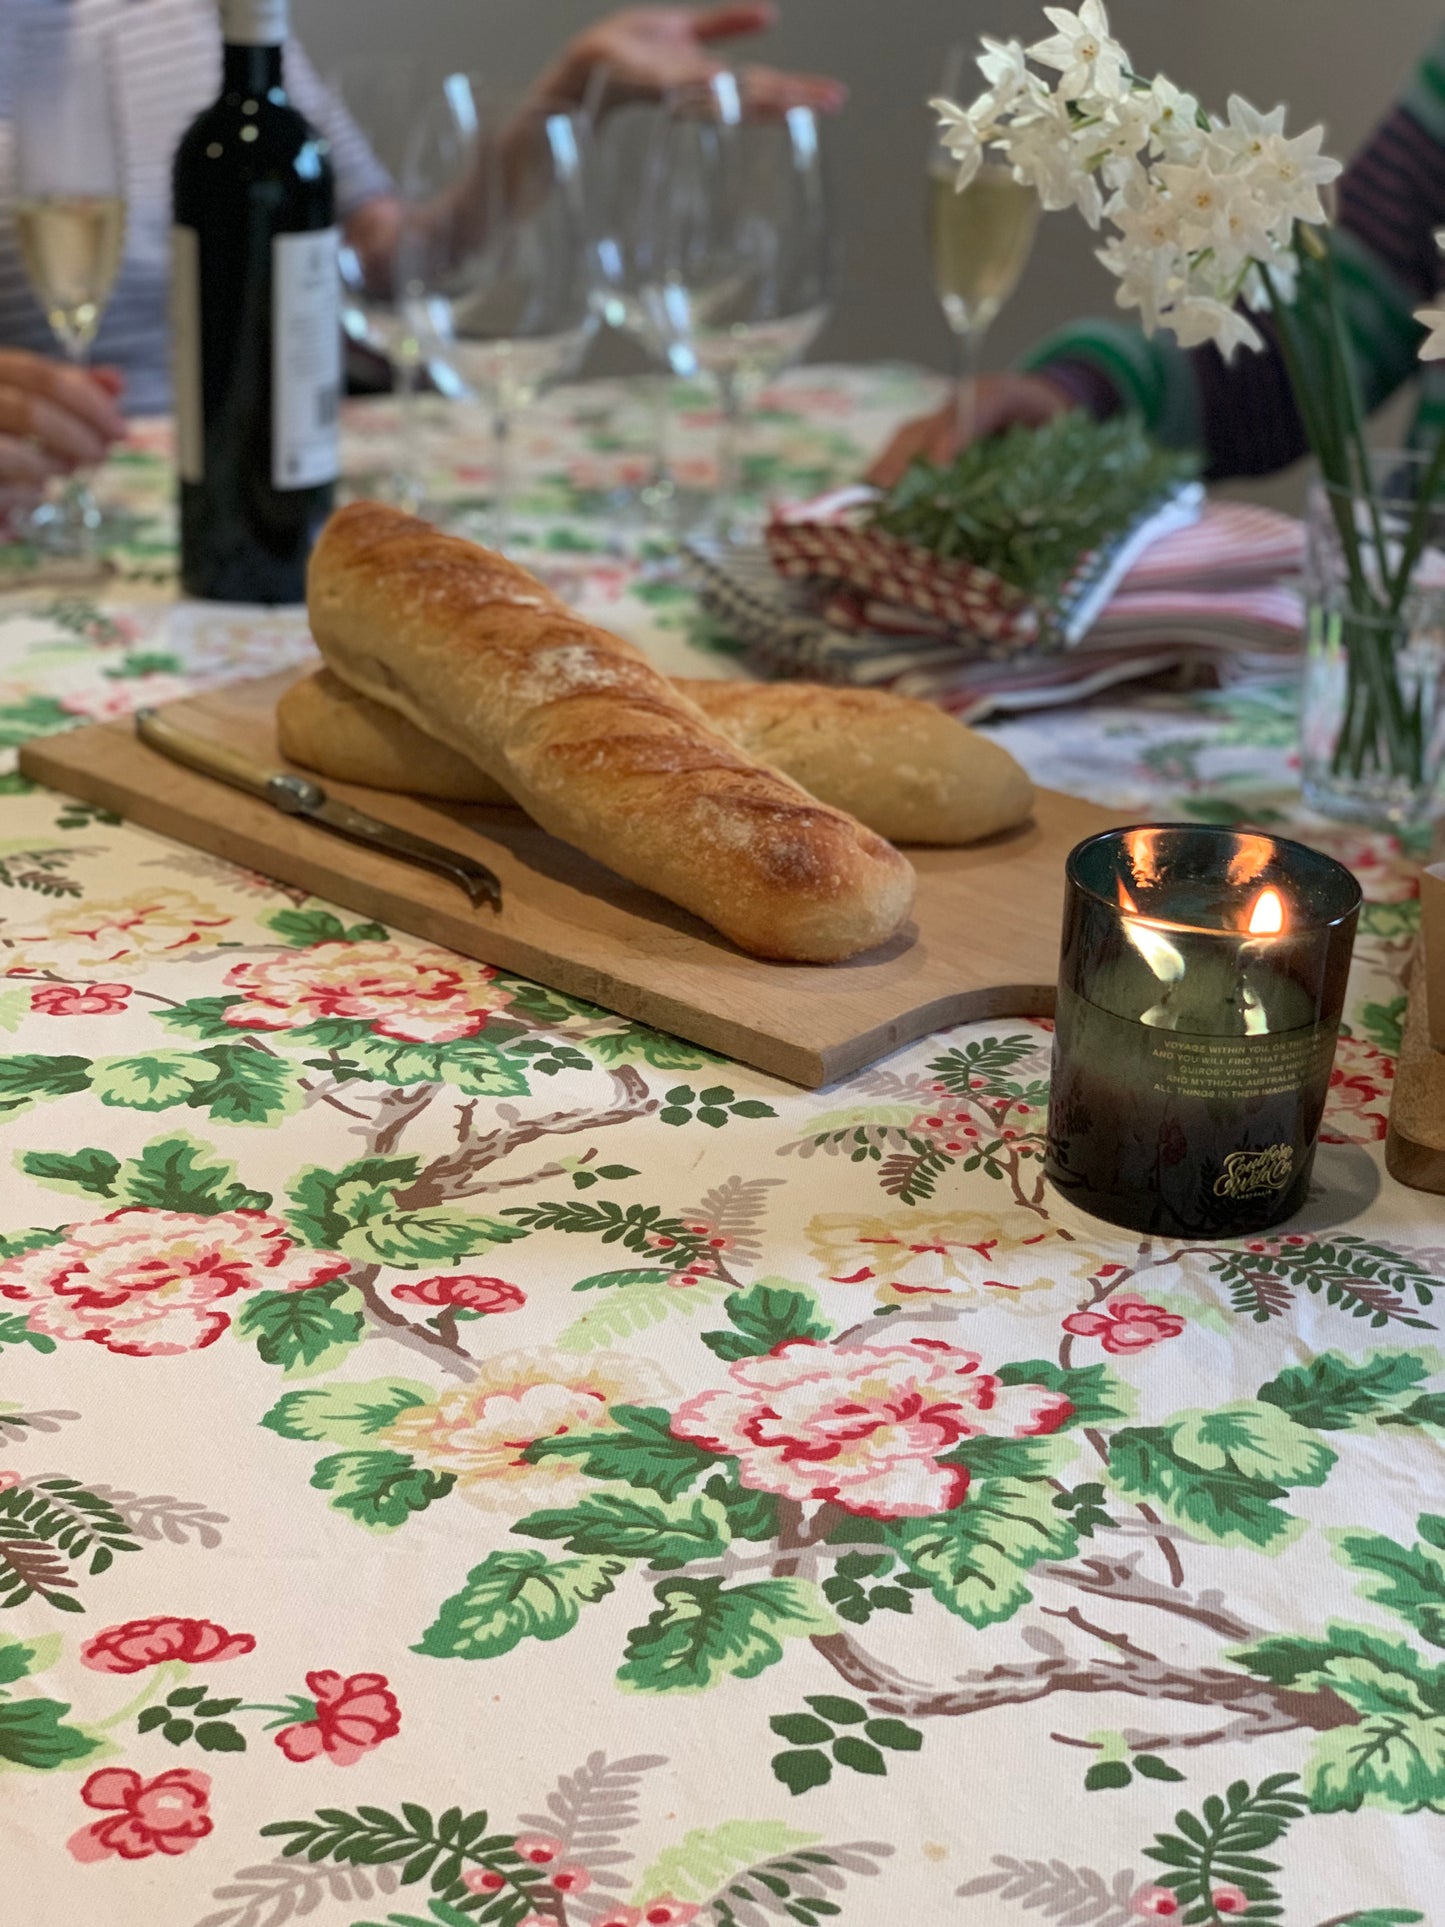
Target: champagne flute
(385, 94)
(503, 263)
(739, 249)
(980, 240)
(69, 215)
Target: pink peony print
(139, 1643)
(1357, 1106)
(416, 993)
(481, 1880)
(147, 1283)
(1154, 1903)
(352, 1716)
(469, 1293)
(866, 1428)
(1125, 1325)
(168, 1814)
(80, 1000)
(1229, 1899)
(570, 1880)
(667, 1912)
(619, 1917)
(95, 936)
(540, 1848)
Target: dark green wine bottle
(255, 325)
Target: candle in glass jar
(1200, 990)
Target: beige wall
(1336, 60)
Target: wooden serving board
(984, 941)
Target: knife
(298, 796)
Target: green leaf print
(328, 1204)
(704, 1631)
(345, 1414)
(150, 1083)
(708, 1858)
(19, 1658)
(91, 1172)
(183, 1174)
(15, 1330)
(33, 1735)
(1408, 1580)
(423, 1848)
(33, 716)
(204, 1018)
(1384, 1024)
(38, 1237)
(767, 1315)
(651, 1299)
(244, 1085)
(474, 1065)
(303, 1329)
(514, 1596)
(302, 928)
(1221, 1846)
(975, 1556)
(987, 1059)
(1220, 1473)
(1255, 1443)
(1097, 1395)
(640, 1450)
(354, 1210)
(636, 1525)
(45, 1523)
(1334, 1393)
(25, 1078)
(381, 1490)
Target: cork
(1415, 1145)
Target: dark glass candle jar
(1200, 988)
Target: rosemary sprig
(1030, 503)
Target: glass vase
(1372, 719)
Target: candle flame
(1251, 854)
(1143, 857)
(1266, 919)
(1126, 902)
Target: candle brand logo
(1247, 1173)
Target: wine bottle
(255, 324)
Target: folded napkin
(1210, 593)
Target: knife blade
(298, 796)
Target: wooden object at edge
(1415, 1144)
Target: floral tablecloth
(465, 1458)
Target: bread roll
(904, 768)
(595, 745)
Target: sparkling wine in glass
(69, 213)
(980, 239)
(503, 260)
(740, 248)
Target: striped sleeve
(1242, 413)
(360, 176)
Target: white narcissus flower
(1084, 53)
(960, 137)
(1434, 320)
(1004, 66)
(1174, 122)
(1198, 318)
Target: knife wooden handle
(199, 753)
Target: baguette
(904, 768)
(593, 742)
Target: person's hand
(652, 50)
(999, 401)
(53, 420)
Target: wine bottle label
(305, 359)
(186, 352)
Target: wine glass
(502, 260)
(69, 215)
(624, 132)
(980, 239)
(739, 253)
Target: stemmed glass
(738, 247)
(69, 215)
(980, 240)
(502, 258)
